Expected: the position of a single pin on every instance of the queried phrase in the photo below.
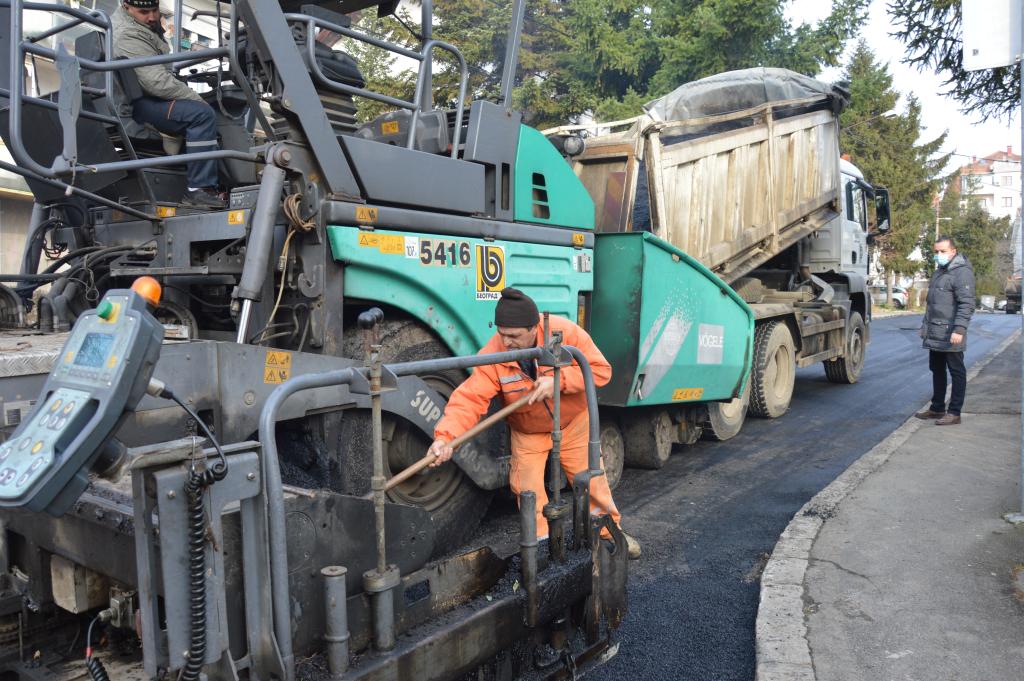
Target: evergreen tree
(932, 32)
(607, 57)
(886, 149)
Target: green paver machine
(424, 213)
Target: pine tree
(886, 148)
(607, 57)
(932, 32)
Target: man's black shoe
(202, 198)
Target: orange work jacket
(470, 401)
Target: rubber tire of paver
(648, 438)
(613, 452)
(847, 369)
(725, 419)
(459, 506)
(774, 372)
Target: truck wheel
(648, 439)
(613, 452)
(725, 419)
(455, 503)
(846, 369)
(774, 370)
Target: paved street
(709, 519)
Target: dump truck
(736, 180)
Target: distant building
(994, 181)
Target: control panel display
(100, 375)
(94, 350)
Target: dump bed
(732, 169)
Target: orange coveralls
(531, 424)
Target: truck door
(853, 249)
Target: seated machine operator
(169, 105)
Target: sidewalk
(903, 568)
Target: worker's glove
(543, 389)
(441, 452)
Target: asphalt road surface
(710, 518)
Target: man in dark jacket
(169, 105)
(950, 306)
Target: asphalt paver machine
(193, 466)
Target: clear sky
(967, 134)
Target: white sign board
(992, 31)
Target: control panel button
(35, 464)
(23, 479)
(61, 422)
(5, 452)
(69, 408)
(56, 404)
(7, 475)
(105, 309)
(37, 447)
(25, 442)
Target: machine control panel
(100, 375)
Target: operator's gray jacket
(132, 39)
(950, 305)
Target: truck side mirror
(881, 211)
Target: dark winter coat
(950, 305)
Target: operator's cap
(143, 4)
(515, 309)
(149, 289)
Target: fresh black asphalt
(709, 519)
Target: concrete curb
(783, 653)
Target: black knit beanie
(516, 310)
(143, 4)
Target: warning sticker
(388, 244)
(277, 366)
(236, 217)
(687, 394)
(366, 215)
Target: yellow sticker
(578, 239)
(69, 356)
(236, 217)
(112, 362)
(687, 394)
(277, 367)
(166, 211)
(388, 244)
(366, 215)
(490, 272)
(389, 128)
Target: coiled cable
(92, 663)
(195, 485)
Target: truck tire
(774, 371)
(455, 503)
(613, 452)
(846, 369)
(648, 438)
(725, 419)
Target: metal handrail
(20, 47)
(423, 56)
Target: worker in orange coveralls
(519, 328)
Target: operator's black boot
(202, 198)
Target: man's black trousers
(939, 363)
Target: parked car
(879, 295)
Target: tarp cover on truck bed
(739, 90)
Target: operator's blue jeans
(195, 120)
